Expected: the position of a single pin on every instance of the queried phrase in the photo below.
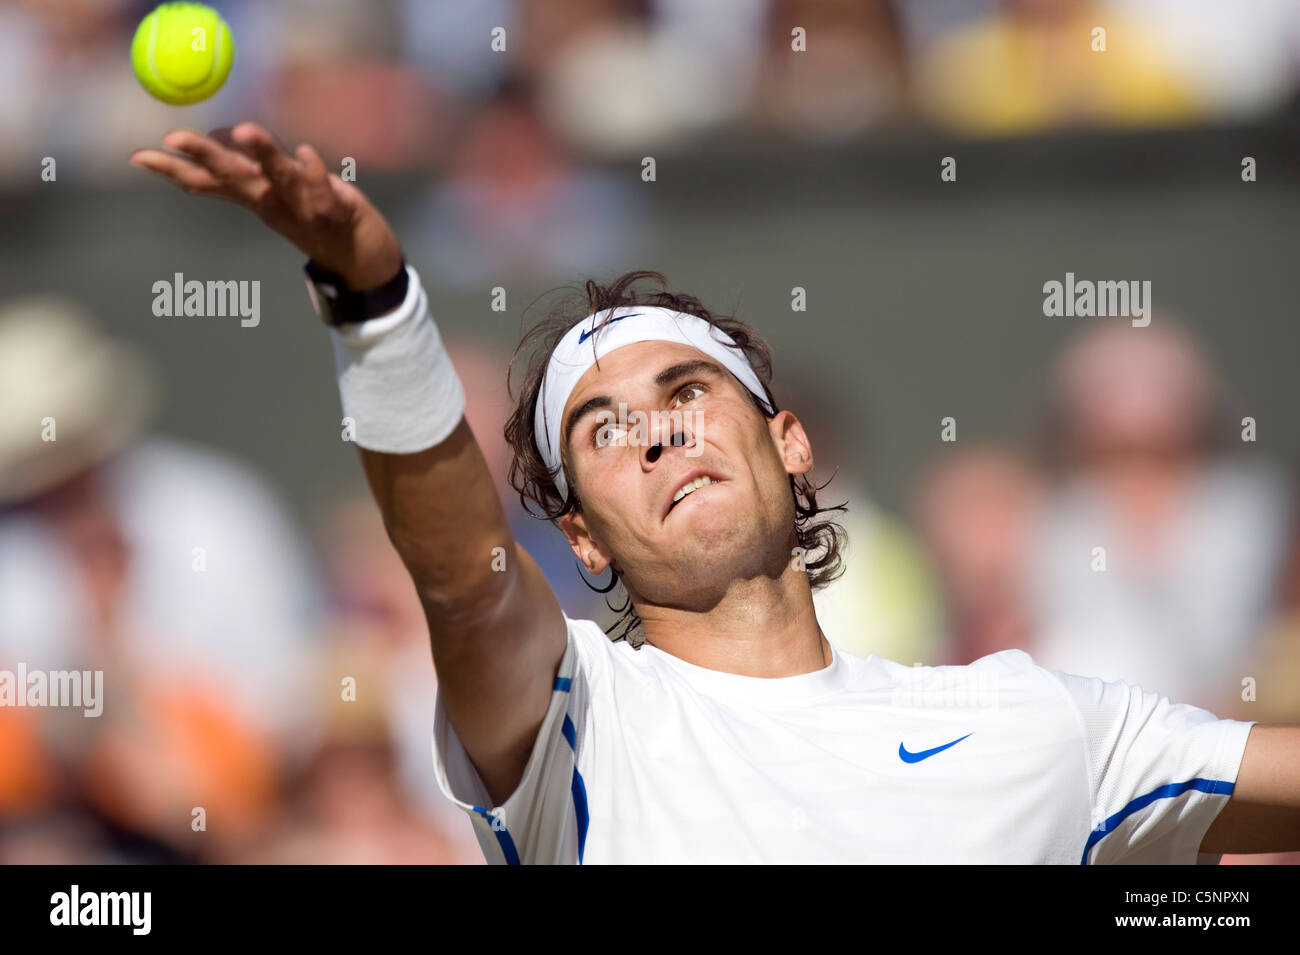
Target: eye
(604, 434)
(694, 386)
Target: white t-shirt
(645, 758)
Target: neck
(762, 627)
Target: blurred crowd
(407, 83)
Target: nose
(678, 440)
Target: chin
(716, 539)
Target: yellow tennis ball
(182, 52)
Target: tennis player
(728, 728)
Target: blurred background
(205, 537)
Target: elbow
(469, 604)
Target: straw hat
(56, 363)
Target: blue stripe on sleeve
(503, 837)
(1214, 787)
(580, 810)
(579, 788)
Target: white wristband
(396, 381)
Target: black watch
(336, 304)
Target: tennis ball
(182, 52)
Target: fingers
(300, 184)
(225, 136)
(206, 166)
(247, 164)
(224, 162)
(276, 164)
(184, 172)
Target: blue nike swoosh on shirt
(583, 336)
(907, 757)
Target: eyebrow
(668, 376)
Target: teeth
(698, 482)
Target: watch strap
(336, 304)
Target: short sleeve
(1160, 771)
(544, 821)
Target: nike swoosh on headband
(907, 757)
(583, 336)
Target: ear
(791, 442)
(594, 557)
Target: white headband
(576, 352)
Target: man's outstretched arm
(1263, 813)
(498, 633)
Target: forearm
(403, 405)
(446, 521)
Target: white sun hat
(61, 376)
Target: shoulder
(1061, 689)
(1008, 680)
(1098, 707)
(1022, 666)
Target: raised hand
(328, 219)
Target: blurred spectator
(338, 84)
(850, 77)
(1194, 532)
(1032, 67)
(169, 567)
(545, 33)
(450, 43)
(976, 510)
(515, 206)
(623, 80)
(1240, 58)
(346, 806)
(164, 749)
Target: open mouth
(691, 487)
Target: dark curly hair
(822, 541)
